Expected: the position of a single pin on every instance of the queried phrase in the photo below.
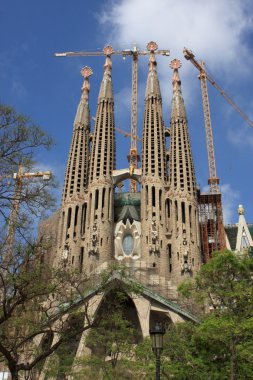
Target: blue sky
(48, 89)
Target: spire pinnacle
(108, 62)
(86, 72)
(178, 108)
(106, 85)
(153, 88)
(176, 82)
(152, 47)
(83, 113)
(240, 210)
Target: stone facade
(154, 232)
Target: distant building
(240, 235)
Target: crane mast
(19, 178)
(213, 180)
(133, 156)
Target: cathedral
(161, 233)
(155, 231)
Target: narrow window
(153, 196)
(103, 198)
(81, 259)
(76, 215)
(160, 200)
(176, 210)
(190, 215)
(169, 251)
(109, 204)
(183, 211)
(83, 218)
(90, 203)
(96, 199)
(69, 217)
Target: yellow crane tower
(213, 179)
(19, 177)
(134, 52)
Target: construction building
(154, 232)
(161, 233)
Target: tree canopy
(20, 140)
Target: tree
(224, 339)
(220, 346)
(38, 304)
(38, 308)
(20, 140)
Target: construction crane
(127, 134)
(134, 52)
(213, 179)
(19, 177)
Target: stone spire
(76, 176)
(182, 175)
(103, 146)
(243, 240)
(99, 226)
(153, 173)
(76, 181)
(153, 148)
(182, 203)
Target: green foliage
(32, 296)
(20, 140)
(222, 343)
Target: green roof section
(127, 199)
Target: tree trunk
(232, 359)
(14, 374)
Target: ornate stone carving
(186, 266)
(127, 240)
(94, 240)
(154, 238)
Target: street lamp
(156, 334)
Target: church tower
(98, 226)
(182, 207)
(76, 182)
(154, 175)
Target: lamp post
(156, 334)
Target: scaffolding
(212, 231)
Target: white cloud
(214, 30)
(230, 199)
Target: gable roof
(118, 278)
